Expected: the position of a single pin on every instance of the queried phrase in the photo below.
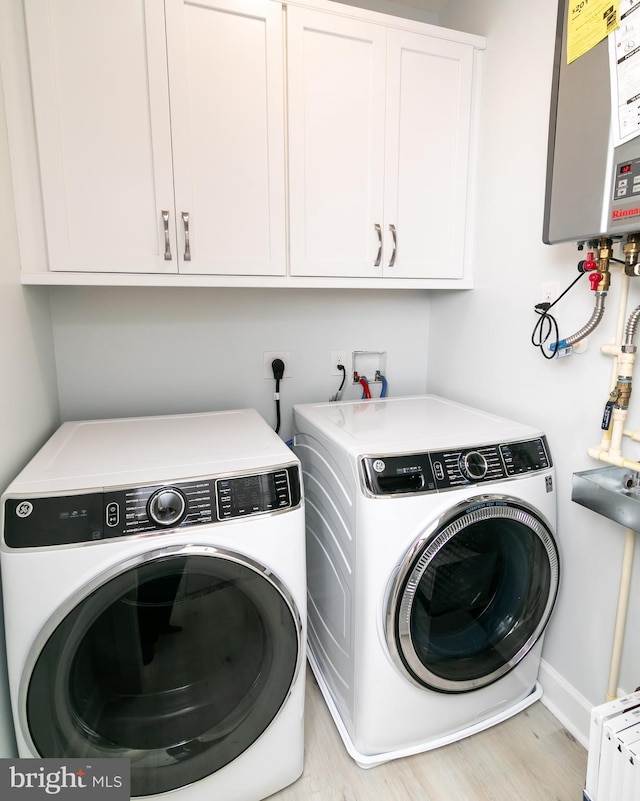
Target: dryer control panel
(437, 471)
(96, 516)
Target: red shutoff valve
(594, 280)
(590, 263)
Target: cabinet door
(429, 85)
(336, 81)
(226, 79)
(98, 72)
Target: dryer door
(474, 595)
(178, 662)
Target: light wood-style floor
(529, 757)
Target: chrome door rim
(407, 577)
(149, 557)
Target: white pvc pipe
(621, 614)
(625, 370)
(621, 322)
(609, 451)
(604, 456)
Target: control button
(438, 470)
(473, 465)
(113, 514)
(167, 506)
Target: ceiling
(425, 5)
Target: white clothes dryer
(432, 568)
(153, 572)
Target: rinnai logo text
(31, 779)
(617, 214)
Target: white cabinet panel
(227, 110)
(179, 142)
(127, 109)
(427, 154)
(101, 108)
(379, 131)
(336, 80)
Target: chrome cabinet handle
(376, 263)
(167, 244)
(187, 249)
(394, 234)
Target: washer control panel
(59, 520)
(443, 470)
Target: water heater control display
(627, 181)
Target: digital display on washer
(248, 495)
(525, 457)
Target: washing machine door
(473, 595)
(178, 662)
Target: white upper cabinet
(227, 123)
(282, 143)
(379, 137)
(126, 111)
(426, 156)
(336, 82)
(101, 106)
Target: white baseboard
(568, 705)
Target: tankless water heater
(593, 186)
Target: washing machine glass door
(179, 663)
(474, 595)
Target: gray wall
(491, 362)
(28, 401)
(135, 351)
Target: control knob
(473, 465)
(167, 506)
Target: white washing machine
(432, 568)
(153, 573)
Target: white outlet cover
(338, 356)
(270, 355)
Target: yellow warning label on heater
(589, 22)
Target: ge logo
(24, 509)
(379, 465)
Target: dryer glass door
(474, 596)
(178, 663)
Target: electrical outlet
(338, 357)
(270, 355)
(550, 291)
